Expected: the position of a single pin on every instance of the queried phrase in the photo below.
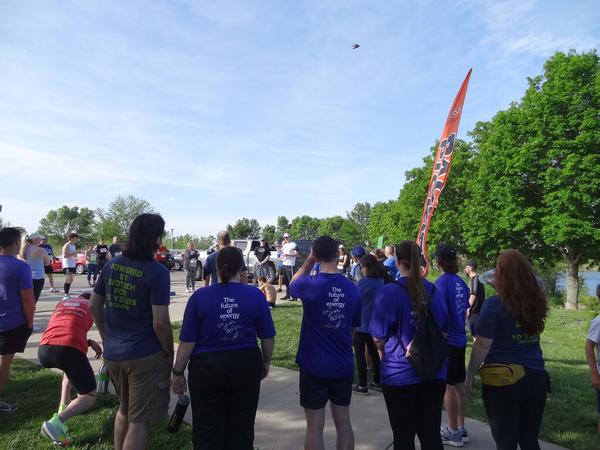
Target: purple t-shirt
(393, 322)
(331, 304)
(456, 294)
(226, 316)
(15, 275)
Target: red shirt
(69, 324)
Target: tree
(538, 184)
(305, 227)
(360, 215)
(58, 223)
(116, 219)
(283, 225)
(244, 228)
(269, 233)
(200, 243)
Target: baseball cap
(488, 277)
(446, 252)
(35, 236)
(286, 235)
(472, 264)
(358, 251)
(341, 246)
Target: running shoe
(55, 290)
(360, 389)
(36, 329)
(8, 407)
(56, 431)
(465, 435)
(375, 386)
(453, 438)
(61, 408)
(66, 297)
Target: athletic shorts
(315, 392)
(69, 270)
(143, 386)
(456, 365)
(48, 269)
(72, 362)
(15, 340)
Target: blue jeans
(92, 270)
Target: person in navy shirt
(331, 305)
(218, 337)
(390, 262)
(414, 405)
(130, 306)
(372, 280)
(211, 276)
(508, 332)
(455, 293)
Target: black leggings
(224, 388)
(515, 412)
(360, 340)
(38, 287)
(416, 409)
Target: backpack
(427, 352)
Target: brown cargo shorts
(142, 386)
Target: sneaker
(465, 436)
(279, 290)
(36, 329)
(360, 389)
(55, 290)
(61, 408)
(55, 430)
(8, 407)
(375, 386)
(453, 438)
(285, 298)
(66, 297)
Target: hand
(266, 368)
(596, 381)
(469, 384)
(96, 347)
(178, 384)
(468, 313)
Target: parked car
(56, 264)
(165, 257)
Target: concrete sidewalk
(280, 420)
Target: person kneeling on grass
(64, 346)
(269, 290)
(593, 358)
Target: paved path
(279, 419)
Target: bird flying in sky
(355, 46)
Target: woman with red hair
(507, 342)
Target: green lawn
(570, 417)
(37, 391)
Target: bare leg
(343, 426)
(451, 404)
(51, 280)
(315, 422)
(81, 404)
(461, 404)
(137, 437)
(121, 427)
(5, 363)
(65, 393)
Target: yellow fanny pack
(498, 374)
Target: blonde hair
(25, 243)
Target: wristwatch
(177, 373)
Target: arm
(161, 323)
(590, 357)
(306, 267)
(43, 254)
(481, 348)
(184, 351)
(28, 302)
(97, 310)
(267, 346)
(96, 347)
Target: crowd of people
(363, 311)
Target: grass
(37, 391)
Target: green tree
(283, 225)
(360, 215)
(537, 188)
(269, 233)
(116, 219)
(200, 242)
(305, 227)
(244, 228)
(58, 223)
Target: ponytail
(25, 243)
(408, 254)
(229, 263)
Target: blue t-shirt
(456, 294)
(130, 288)
(368, 288)
(15, 275)
(512, 345)
(331, 305)
(210, 268)
(393, 322)
(226, 316)
(390, 267)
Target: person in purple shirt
(218, 338)
(414, 405)
(456, 294)
(17, 305)
(331, 306)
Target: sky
(213, 111)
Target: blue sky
(214, 111)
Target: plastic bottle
(102, 380)
(178, 413)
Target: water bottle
(102, 380)
(178, 413)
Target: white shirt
(70, 261)
(289, 247)
(594, 336)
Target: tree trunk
(572, 283)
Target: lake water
(592, 279)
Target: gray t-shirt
(594, 336)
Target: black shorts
(456, 365)
(316, 391)
(48, 269)
(69, 270)
(72, 362)
(15, 340)
(473, 324)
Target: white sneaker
(66, 297)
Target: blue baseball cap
(358, 251)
